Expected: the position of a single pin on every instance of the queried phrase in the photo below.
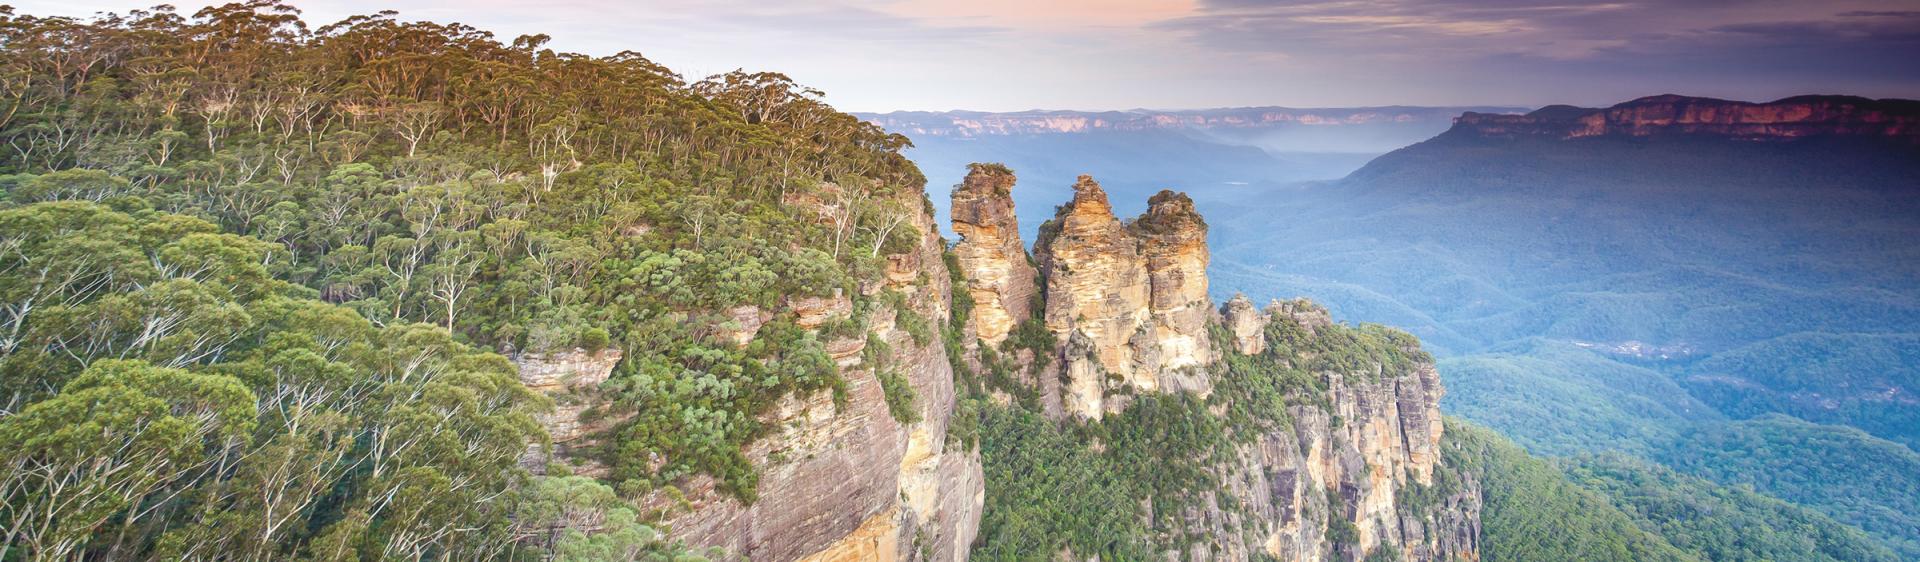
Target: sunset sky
(882, 55)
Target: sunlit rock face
(1344, 463)
(1174, 240)
(570, 379)
(990, 253)
(848, 481)
(1127, 302)
(1097, 299)
(837, 481)
(1245, 322)
(1672, 115)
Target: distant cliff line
(1677, 115)
(983, 123)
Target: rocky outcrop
(849, 481)
(570, 378)
(1173, 239)
(1126, 302)
(1672, 115)
(838, 479)
(1333, 484)
(1247, 325)
(994, 260)
(1097, 296)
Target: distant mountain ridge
(1670, 114)
(981, 123)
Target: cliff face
(1174, 240)
(1126, 302)
(920, 124)
(845, 482)
(851, 482)
(1355, 467)
(569, 377)
(1097, 297)
(1340, 482)
(990, 253)
(1795, 117)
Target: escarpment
(1324, 436)
(1331, 432)
(1354, 470)
(1672, 115)
(868, 473)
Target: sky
(1008, 55)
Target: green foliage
(205, 407)
(695, 407)
(1048, 492)
(1852, 374)
(1719, 523)
(555, 507)
(1527, 389)
(519, 198)
(594, 339)
(894, 386)
(1533, 513)
(1839, 471)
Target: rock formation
(1129, 307)
(1246, 324)
(1127, 302)
(850, 482)
(1342, 463)
(1789, 118)
(1097, 296)
(569, 377)
(837, 481)
(1174, 241)
(991, 255)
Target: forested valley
(266, 284)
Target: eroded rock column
(999, 277)
(1097, 298)
(1173, 238)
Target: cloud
(1485, 28)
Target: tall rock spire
(999, 277)
(1127, 302)
(1097, 296)
(1174, 240)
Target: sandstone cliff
(1348, 468)
(1343, 468)
(1353, 472)
(1789, 118)
(1126, 302)
(922, 124)
(843, 481)
(991, 256)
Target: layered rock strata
(569, 377)
(1126, 302)
(999, 276)
(1340, 464)
(1667, 115)
(837, 481)
(849, 482)
(1173, 239)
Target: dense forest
(258, 279)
